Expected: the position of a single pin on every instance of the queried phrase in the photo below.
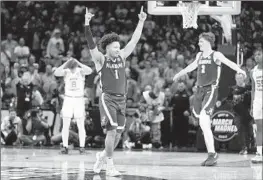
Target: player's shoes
(82, 150)
(257, 159)
(64, 150)
(111, 171)
(100, 161)
(211, 160)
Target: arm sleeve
(89, 38)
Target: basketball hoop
(189, 11)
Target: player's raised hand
(142, 16)
(88, 16)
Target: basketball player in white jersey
(256, 104)
(74, 105)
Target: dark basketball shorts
(112, 111)
(259, 132)
(205, 99)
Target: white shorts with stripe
(73, 107)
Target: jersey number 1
(203, 69)
(116, 74)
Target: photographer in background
(11, 128)
(240, 100)
(36, 127)
(139, 133)
(152, 103)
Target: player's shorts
(259, 132)
(73, 107)
(205, 99)
(112, 111)
(257, 110)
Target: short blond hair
(209, 36)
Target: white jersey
(258, 79)
(74, 83)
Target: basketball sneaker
(257, 159)
(111, 171)
(211, 160)
(64, 150)
(100, 161)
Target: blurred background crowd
(37, 37)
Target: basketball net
(190, 12)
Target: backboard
(207, 7)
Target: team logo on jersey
(223, 126)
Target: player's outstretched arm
(86, 69)
(219, 56)
(60, 71)
(97, 56)
(191, 67)
(136, 35)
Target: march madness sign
(223, 126)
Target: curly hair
(209, 36)
(108, 39)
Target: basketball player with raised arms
(110, 64)
(73, 107)
(256, 104)
(208, 64)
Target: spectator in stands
(139, 133)
(147, 75)
(134, 67)
(132, 87)
(36, 126)
(85, 54)
(249, 65)
(55, 48)
(22, 52)
(181, 61)
(35, 77)
(180, 104)
(10, 44)
(48, 83)
(24, 91)
(5, 56)
(11, 128)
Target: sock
(109, 161)
(109, 142)
(65, 131)
(82, 132)
(259, 150)
(208, 135)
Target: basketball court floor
(48, 164)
